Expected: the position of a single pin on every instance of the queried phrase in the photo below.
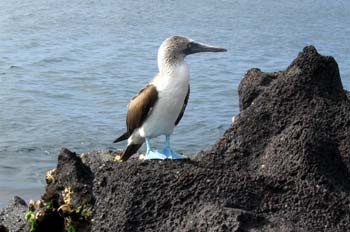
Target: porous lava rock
(283, 165)
(12, 217)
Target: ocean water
(68, 69)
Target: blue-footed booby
(160, 105)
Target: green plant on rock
(30, 216)
(83, 213)
(48, 204)
(74, 217)
(71, 228)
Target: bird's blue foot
(170, 154)
(154, 154)
(165, 153)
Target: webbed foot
(154, 154)
(172, 155)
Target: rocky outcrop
(12, 217)
(283, 165)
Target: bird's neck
(176, 76)
(168, 63)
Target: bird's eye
(189, 45)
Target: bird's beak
(195, 47)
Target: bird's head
(175, 48)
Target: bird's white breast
(172, 89)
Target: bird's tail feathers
(130, 150)
(122, 137)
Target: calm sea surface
(68, 69)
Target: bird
(160, 104)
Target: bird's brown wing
(183, 107)
(140, 107)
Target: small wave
(53, 60)
(14, 67)
(7, 167)
(27, 149)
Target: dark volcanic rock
(12, 217)
(69, 189)
(295, 131)
(282, 166)
(71, 173)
